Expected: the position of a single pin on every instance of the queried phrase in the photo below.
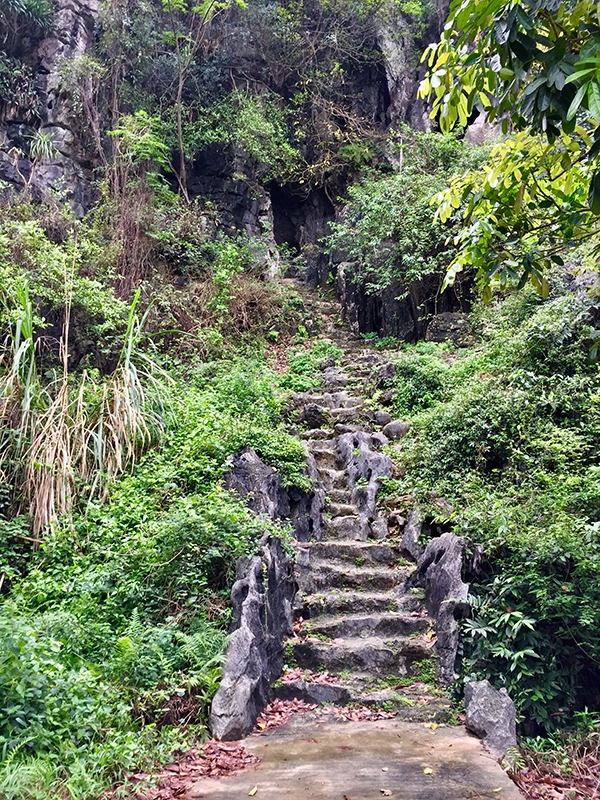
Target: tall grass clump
(68, 433)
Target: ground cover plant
(118, 543)
(113, 629)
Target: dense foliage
(533, 65)
(503, 450)
(388, 230)
(113, 629)
(115, 562)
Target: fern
(513, 760)
(26, 780)
(204, 648)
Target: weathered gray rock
(382, 417)
(396, 429)
(379, 528)
(384, 374)
(452, 326)
(262, 598)
(490, 714)
(70, 37)
(396, 40)
(260, 485)
(334, 378)
(439, 572)
(314, 416)
(257, 483)
(364, 467)
(410, 536)
(379, 440)
(330, 693)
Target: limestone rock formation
(490, 714)
(410, 536)
(396, 429)
(449, 326)
(365, 466)
(261, 486)
(69, 39)
(262, 599)
(439, 572)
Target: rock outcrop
(263, 594)
(260, 485)
(69, 39)
(490, 714)
(439, 574)
(262, 598)
(403, 312)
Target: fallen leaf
(499, 789)
(252, 792)
(427, 771)
(384, 769)
(434, 726)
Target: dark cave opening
(300, 221)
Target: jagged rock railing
(262, 596)
(439, 573)
(262, 599)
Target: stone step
(324, 459)
(327, 399)
(350, 601)
(395, 656)
(343, 496)
(333, 478)
(322, 446)
(327, 575)
(348, 527)
(345, 415)
(364, 626)
(316, 433)
(412, 703)
(342, 510)
(355, 552)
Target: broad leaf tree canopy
(533, 66)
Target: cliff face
(376, 93)
(69, 169)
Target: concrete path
(311, 759)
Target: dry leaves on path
(357, 713)
(299, 674)
(279, 712)
(210, 760)
(538, 786)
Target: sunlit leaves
(520, 209)
(534, 68)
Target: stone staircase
(357, 622)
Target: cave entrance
(288, 216)
(300, 221)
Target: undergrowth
(118, 542)
(502, 448)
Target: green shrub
(305, 364)
(510, 444)
(420, 381)
(121, 613)
(388, 229)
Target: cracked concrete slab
(331, 760)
